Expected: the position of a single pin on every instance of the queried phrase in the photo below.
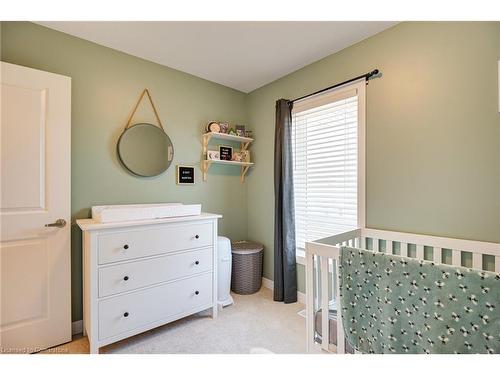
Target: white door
(35, 273)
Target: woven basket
(246, 276)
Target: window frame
(360, 87)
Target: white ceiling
(241, 55)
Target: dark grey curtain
(285, 272)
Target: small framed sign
(185, 175)
(225, 153)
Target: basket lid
(246, 247)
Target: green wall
(433, 131)
(105, 86)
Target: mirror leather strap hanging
(149, 140)
(145, 91)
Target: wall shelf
(205, 165)
(244, 143)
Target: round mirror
(145, 150)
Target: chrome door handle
(59, 223)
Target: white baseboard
(301, 297)
(77, 327)
(269, 284)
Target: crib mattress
(332, 321)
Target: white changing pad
(133, 212)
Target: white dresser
(139, 275)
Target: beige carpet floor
(254, 324)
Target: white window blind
(325, 153)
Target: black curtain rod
(366, 76)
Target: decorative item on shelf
(237, 156)
(240, 130)
(241, 156)
(213, 155)
(212, 127)
(232, 132)
(224, 127)
(245, 155)
(248, 133)
(226, 153)
(185, 175)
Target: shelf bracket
(205, 165)
(206, 140)
(244, 170)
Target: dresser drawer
(136, 243)
(140, 273)
(124, 313)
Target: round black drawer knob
(197, 262)
(125, 314)
(125, 278)
(196, 236)
(196, 292)
(125, 247)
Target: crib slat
(325, 328)
(420, 252)
(363, 243)
(340, 328)
(437, 255)
(497, 264)
(310, 300)
(456, 257)
(334, 278)
(404, 249)
(477, 261)
(317, 281)
(375, 244)
(388, 247)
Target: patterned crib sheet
(393, 304)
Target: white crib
(322, 261)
